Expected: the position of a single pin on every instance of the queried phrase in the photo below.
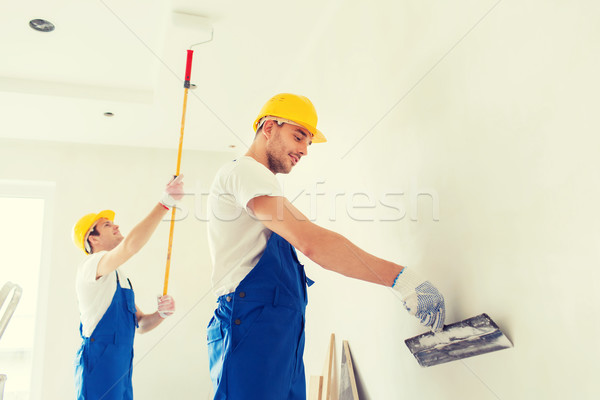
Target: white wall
(502, 126)
(494, 117)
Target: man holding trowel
(109, 315)
(256, 336)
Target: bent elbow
(313, 244)
(140, 330)
(308, 247)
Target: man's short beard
(275, 147)
(275, 165)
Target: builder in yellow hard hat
(253, 231)
(109, 315)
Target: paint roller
(195, 23)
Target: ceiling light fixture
(41, 25)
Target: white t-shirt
(236, 238)
(95, 295)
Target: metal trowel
(466, 338)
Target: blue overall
(104, 362)
(256, 336)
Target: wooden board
(348, 389)
(315, 386)
(327, 370)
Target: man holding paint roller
(256, 336)
(109, 315)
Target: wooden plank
(348, 389)
(327, 369)
(315, 386)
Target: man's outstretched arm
(336, 253)
(140, 234)
(329, 249)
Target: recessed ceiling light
(108, 114)
(41, 25)
(232, 146)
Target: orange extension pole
(186, 85)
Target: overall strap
(119, 282)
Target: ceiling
(128, 58)
(356, 61)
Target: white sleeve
(89, 267)
(250, 180)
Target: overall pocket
(215, 344)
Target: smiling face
(286, 145)
(105, 235)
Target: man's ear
(93, 239)
(267, 128)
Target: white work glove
(173, 192)
(421, 299)
(166, 306)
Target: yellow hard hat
(295, 108)
(85, 223)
